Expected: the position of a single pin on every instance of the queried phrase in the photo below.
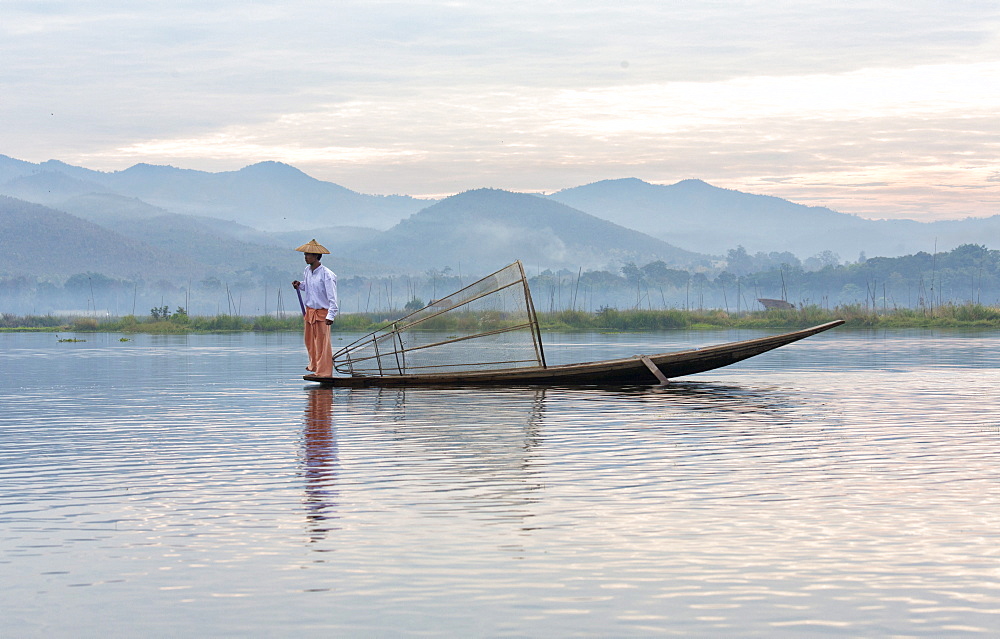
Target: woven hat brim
(313, 247)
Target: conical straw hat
(313, 247)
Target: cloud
(437, 97)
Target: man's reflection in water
(319, 463)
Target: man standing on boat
(318, 294)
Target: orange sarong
(317, 338)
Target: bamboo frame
(346, 361)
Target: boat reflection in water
(319, 464)
(383, 446)
(492, 432)
(492, 449)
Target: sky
(879, 109)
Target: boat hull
(629, 370)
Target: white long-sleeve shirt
(319, 290)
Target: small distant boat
(775, 305)
(493, 339)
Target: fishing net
(488, 325)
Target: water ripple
(849, 485)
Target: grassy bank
(172, 324)
(967, 315)
(607, 319)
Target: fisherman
(318, 293)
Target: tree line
(967, 274)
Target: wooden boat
(501, 345)
(629, 370)
(775, 305)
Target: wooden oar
(301, 305)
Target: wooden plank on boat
(654, 369)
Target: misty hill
(48, 182)
(477, 231)
(698, 216)
(153, 224)
(126, 238)
(48, 187)
(483, 229)
(275, 205)
(229, 247)
(182, 235)
(37, 240)
(268, 195)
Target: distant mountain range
(472, 232)
(489, 226)
(269, 196)
(36, 240)
(180, 223)
(705, 218)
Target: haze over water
(848, 484)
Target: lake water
(848, 484)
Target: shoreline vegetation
(605, 320)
